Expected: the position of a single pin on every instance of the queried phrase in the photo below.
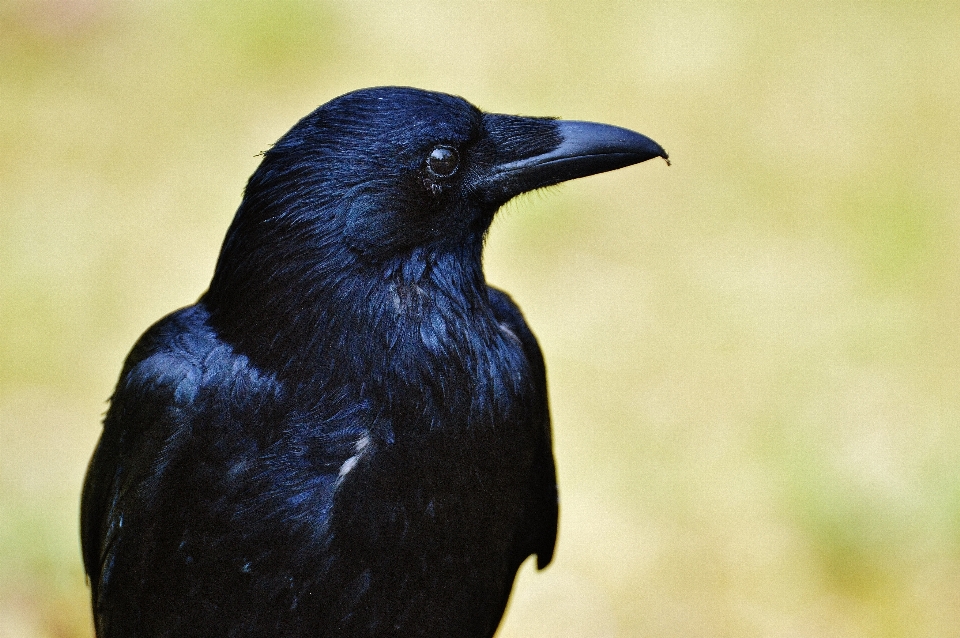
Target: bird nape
(348, 434)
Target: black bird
(347, 435)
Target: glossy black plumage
(348, 434)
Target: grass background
(753, 354)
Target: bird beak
(585, 148)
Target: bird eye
(443, 161)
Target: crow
(348, 434)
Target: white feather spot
(359, 447)
(362, 444)
(348, 465)
(505, 329)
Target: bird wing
(154, 410)
(542, 511)
(199, 462)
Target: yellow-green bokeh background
(753, 354)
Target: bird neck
(299, 318)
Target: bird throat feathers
(299, 314)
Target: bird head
(383, 171)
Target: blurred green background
(753, 354)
